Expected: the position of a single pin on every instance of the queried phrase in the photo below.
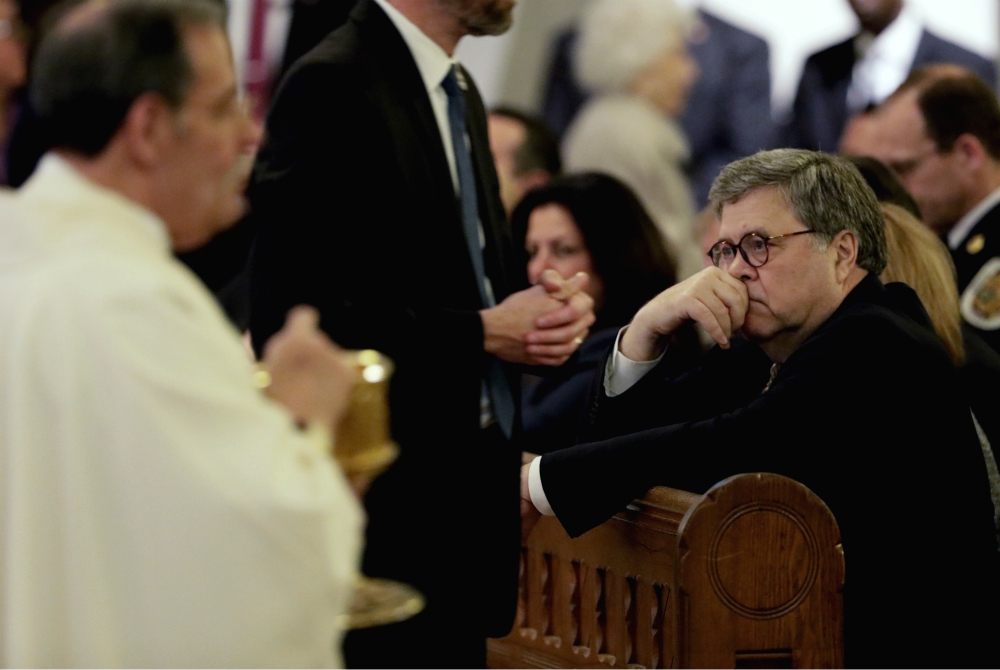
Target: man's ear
(970, 151)
(147, 129)
(845, 244)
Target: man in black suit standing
(853, 75)
(378, 203)
(312, 20)
(940, 134)
(728, 114)
(837, 382)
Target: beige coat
(628, 138)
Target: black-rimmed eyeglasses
(753, 247)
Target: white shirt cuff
(621, 373)
(535, 489)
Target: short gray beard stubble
(479, 17)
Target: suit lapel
(398, 94)
(400, 83)
(925, 52)
(415, 130)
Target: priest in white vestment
(157, 509)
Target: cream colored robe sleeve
(157, 511)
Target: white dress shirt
(884, 60)
(961, 230)
(157, 509)
(434, 65)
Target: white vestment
(155, 508)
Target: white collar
(55, 181)
(432, 61)
(883, 61)
(965, 225)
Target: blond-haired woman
(918, 258)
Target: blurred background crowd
(611, 119)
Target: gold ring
(578, 341)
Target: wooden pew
(748, 575)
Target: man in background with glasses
(822, 374)
(940, 134)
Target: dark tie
(502, 400)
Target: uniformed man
(940, 133)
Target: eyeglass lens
(753, 246)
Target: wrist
(640, 344)
(493, 330)
(489, 327)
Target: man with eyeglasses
(940, 134)
(824, 375)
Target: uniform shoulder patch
(981, 300)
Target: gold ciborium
(364, 449)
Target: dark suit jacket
(222, 263)
(312, 20)
(728, 115)
(819, 113)
(358, 217)
(980, 375)
(868, 413)
(968, 264)
(552, 405)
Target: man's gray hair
(825, 192)
(99, 57)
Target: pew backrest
(749, 574)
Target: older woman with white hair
(632, 55)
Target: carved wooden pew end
(748, 575)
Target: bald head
(140, 97)
(101, 55)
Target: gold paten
(363, 447)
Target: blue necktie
(502, 400)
